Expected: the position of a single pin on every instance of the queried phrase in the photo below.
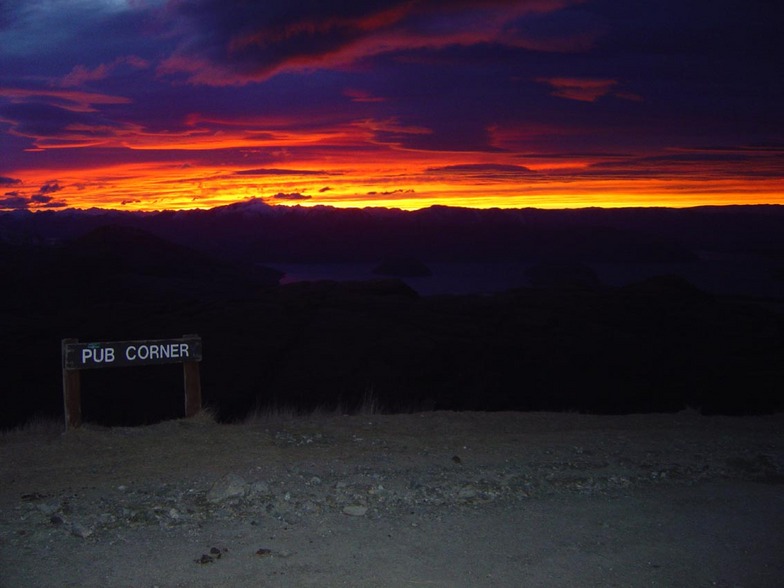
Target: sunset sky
(174, 104)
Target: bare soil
(431, 499)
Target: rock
(467, 492)
(229, 486)
(355, 510)
(260, 488)
(309, 507)
(216, 552)
(80, 530)
(50, 508)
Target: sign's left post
(72, 394)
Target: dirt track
(431, 499)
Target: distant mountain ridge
(255, 231)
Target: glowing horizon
(168, 190)
(502, 104)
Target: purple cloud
(291, 196)
(391, 192)
(14, 203)
(233, 42)
(483, 169)
(50, 187)
(585, 89)
(570, 87)
(279, 172)
(81, 74)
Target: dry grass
(44, 426)
(48, 426)
(369, 406)
(205, 416)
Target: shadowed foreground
(696, 321)
(431, 499)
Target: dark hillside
(657, 346)
(568, 342)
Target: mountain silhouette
(122, 249)
(571, 341)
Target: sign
(79, 356)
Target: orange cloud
(361, 96)
(407, 182)
(582, 89)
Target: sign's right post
(192, 384)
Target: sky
(180, 104)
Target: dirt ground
(434, 499)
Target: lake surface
(735, 275)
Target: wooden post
(72, 394)
(192, 385)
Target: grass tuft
(369, 406)
(38, 425)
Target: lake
(734, 275)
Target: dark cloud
(39, 119)
(233, 41)
(324, 189)
(279, 172)
(290, 196)
(14, 203)
(41, 199)
(586, 89)
(574, 155)
(50, 125)
(769, 148)
(391, 192)
(675, 158)
(489, 169)
(727, 162)
(50, 187)
(16, 199)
